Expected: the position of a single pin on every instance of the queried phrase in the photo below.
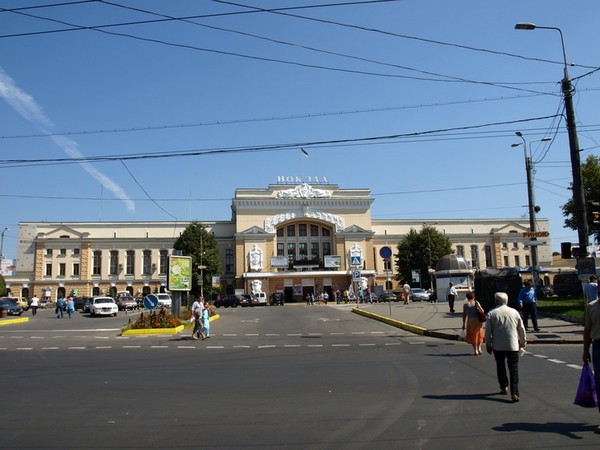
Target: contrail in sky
(27, 107)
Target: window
(314, 231)
(114, 262)
(517, 260)
(505, 261)
(460, 250)
(488, 256)
(164, 257)
(76, 269)
(130, 269)
(48, 252)
(63, 251)
(302, 229)
(527, 260)
(76, 251)
(280, 249)
(291, 230)
(97, 263)
(314, 250)
(515, 245)
(279, 232)
(49, 270)
(326, 248)
(474, 256)
(229, 261)
(302, 250)
(147, 262)
(505, 245)
(387, 264)
(62, 269)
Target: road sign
(531, 243)
(150, 301)
(356, 260)
(385, 252)
(356, 275)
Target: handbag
(586, 391)
(480, 313)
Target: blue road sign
(356, 261)
(385, 252)
(150, 301)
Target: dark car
(277, 298)
(11, 307)
(126, 303)
(87, 305)
(250, 300)
(233, 300)
(79, 303)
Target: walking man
(590, 290)
(591, 337)
(505, 336)
(528, 304)
(451, 295)
(197, 311)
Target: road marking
(575, 366)
(267, 346)
(185, 346)
(252, 334)
(292, 346)
(340, 345)
(132, 346)
(294, 334)
(230, 334)
(241, 346)
(315, 345)
(104, 346)
(76, 348)
(336, 334)
(366, 345)
(159, 346)
(358, 332)
(272, 334)
(557, 361)
(215, 346)
(24, 348)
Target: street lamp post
(427, 226)
(579, 212)
(531, 204)
(2, 243)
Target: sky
(158, 110)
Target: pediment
(510, 227)
(356, 229)
(254, 231)
(64, 232)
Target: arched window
(304, 243)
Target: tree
(590, 180)
(421, 250)
(201, 245)
(2, 286)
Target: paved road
(277, 377)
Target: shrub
(162, 319)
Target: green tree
(417, 250)
(197, 242)
(2, 286)
(590, 180)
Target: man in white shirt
(505, 336)
(407, 290)
(197, 311)
(590, 290)
(451, 295)
(35, 302)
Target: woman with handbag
(474, 325)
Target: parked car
(232, 300)
(277, 298)
(261, 299)
(248, 300)
(126, 303)
(419, 295)
(388, 297)
(164, 300)
(20, 301)
(10, 306)
(46, 304)
(103, 306)
(79, 303)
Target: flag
(304, 152)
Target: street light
(2, 243)
(427, 225)
(579, 213)
(531, 204)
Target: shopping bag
(586, 391)
(462, 334)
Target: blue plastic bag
(586, 391)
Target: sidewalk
(434, 319)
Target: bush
(162, 319)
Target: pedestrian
(528, 304)
(505, 336)
(35, 302)
(70, 306)
(590, 290)
(591, 337)
(60, 308)
(470, 321)
(407, 291)
(451, 295)
(206, 313)
(197, 310)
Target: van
(567, 283)
(261, 298)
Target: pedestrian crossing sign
(356, 261)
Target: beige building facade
(292, 237)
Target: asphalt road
(277, 377)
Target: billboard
(279, 262)
(180, 273)
(333, 261)
(8, 267)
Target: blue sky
(417, 100)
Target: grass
(567, 306)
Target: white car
(103, 306)
(164, 300)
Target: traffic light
(596, 216)
(594, 211)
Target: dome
(452, 263)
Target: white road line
(292, 346)
(104, 346)
(358, 332)
(340, 345)
(159, 346)
(377, 332)
(241, 346)
(315, 345)
(186, 346)
(252, 334)
(393, 343)
(575, 366)
(366, 345)
(24, 348)
(132, 346)
(49, 348)
(336, 334)
(267, 346)
(315, 334)
(272, 334)
(37, 337)
(557, 361)
(215, 346)
(230, 334)
(76, 348)
(294, 334)
(541, 356)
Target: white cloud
(28, 108)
